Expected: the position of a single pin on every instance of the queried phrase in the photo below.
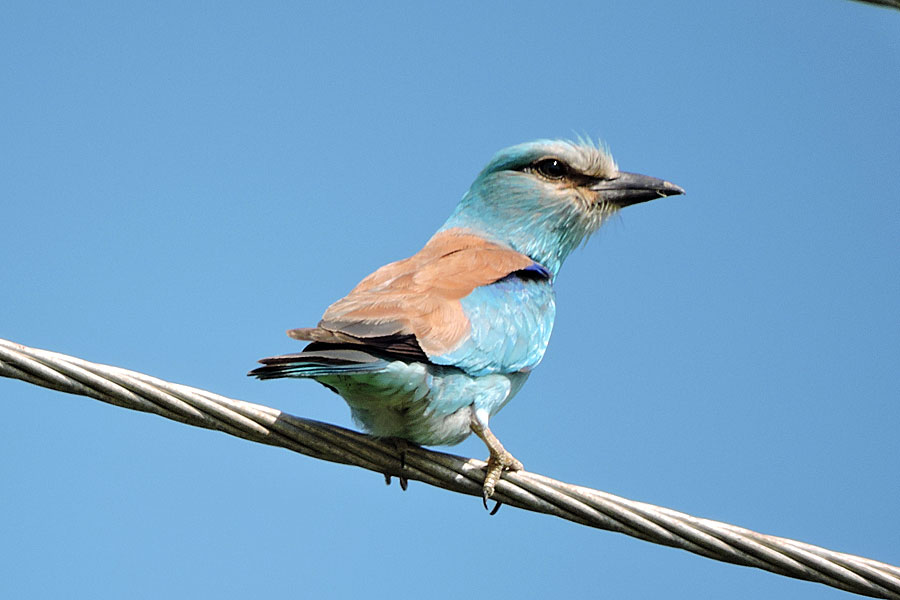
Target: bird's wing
(417, 304)
(511, 320)
(328, 361)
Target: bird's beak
(626, 189)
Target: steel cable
(530, 491)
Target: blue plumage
(429, 348)
(511, 321)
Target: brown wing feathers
(412, 306)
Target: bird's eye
(551, 168)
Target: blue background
(179, 185)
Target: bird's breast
(510, 325)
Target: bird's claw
(402, 446)
(491, 511)
(404, 482)
(497, 463)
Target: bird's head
(544, 198)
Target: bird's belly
(425, 404)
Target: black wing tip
(315, 354)
(273, 366)
(262, 373)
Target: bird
(429, 348)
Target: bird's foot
(497, 463)
(500, 460)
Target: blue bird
(429, 348)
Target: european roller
(429, 348)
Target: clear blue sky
(179, 185)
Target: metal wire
(522, 489)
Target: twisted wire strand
(530, 491)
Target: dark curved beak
(626, 189)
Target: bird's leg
(500, 459)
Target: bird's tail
(318, 363)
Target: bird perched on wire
(429, 348)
